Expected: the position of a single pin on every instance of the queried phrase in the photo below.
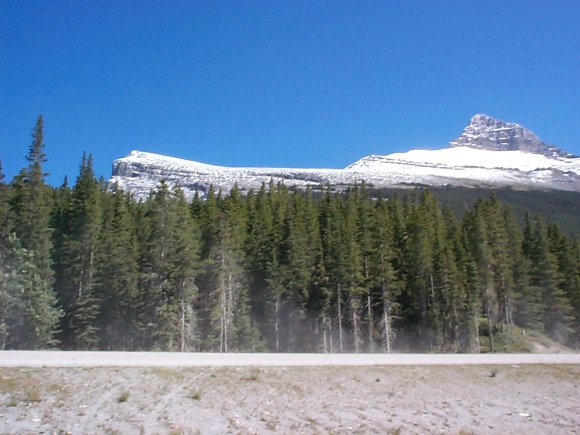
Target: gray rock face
(485, 132)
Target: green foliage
(168, 263)
(80, 248)
(28, 307)
(277, 271)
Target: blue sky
(279, 83)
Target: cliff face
(485, 132)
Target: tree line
(89, 267)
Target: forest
(86, 266)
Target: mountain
(489, 153)
(487, 133)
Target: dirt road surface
(174, 359)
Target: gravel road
(174, 359)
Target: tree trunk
(508, 314)
(229, 311)
(477, 342)
(222, 312)
(369, 307)
(276, 325)
(371, 321)
(386, 319)
(355, 331)
(489, 319)
(339, 297)
(182, 319)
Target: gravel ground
(531, 399)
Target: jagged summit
(488, 133)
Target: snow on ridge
(140, 172)
(154, 159)
(469, 157)
(175, 163)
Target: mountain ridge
(489, 153)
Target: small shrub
(33, 395)
(195, 395)
(252, 376)
(123, 397)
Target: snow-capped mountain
(485, 132)
(489, 153)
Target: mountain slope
(490, 153)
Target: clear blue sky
(279, 83)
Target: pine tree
(312, 297)
(574, 289)
(365, 228)
(421, 298)
(449, 279)
(502, 261)
(29, 218)
(60, 217)
(31, 204)
(81, 246)
(207, 214)
(351, 266)
(383, 273)
(170, 252)
(28, 307)
(4, 208)
(225, 285)
(333, 301)
(262, 254)
(470, 339)
(478, 245)
(238, 331)
(556, 307)
(117, 274)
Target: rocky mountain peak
(488, 133)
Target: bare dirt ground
(531, 399)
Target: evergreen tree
(263, 259)
(450, 280)
(333, 300)
(556, 307)
(31, 204)
(478, 245)
(167, 319)
(117, 274)
(81, 245)
(29, 264)
(28, 307)
(239, 333)
(350, 266)
(421, 299)
(502, 261)
(383, 272)
(60, 217)
(4, 208)
(207, 213)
